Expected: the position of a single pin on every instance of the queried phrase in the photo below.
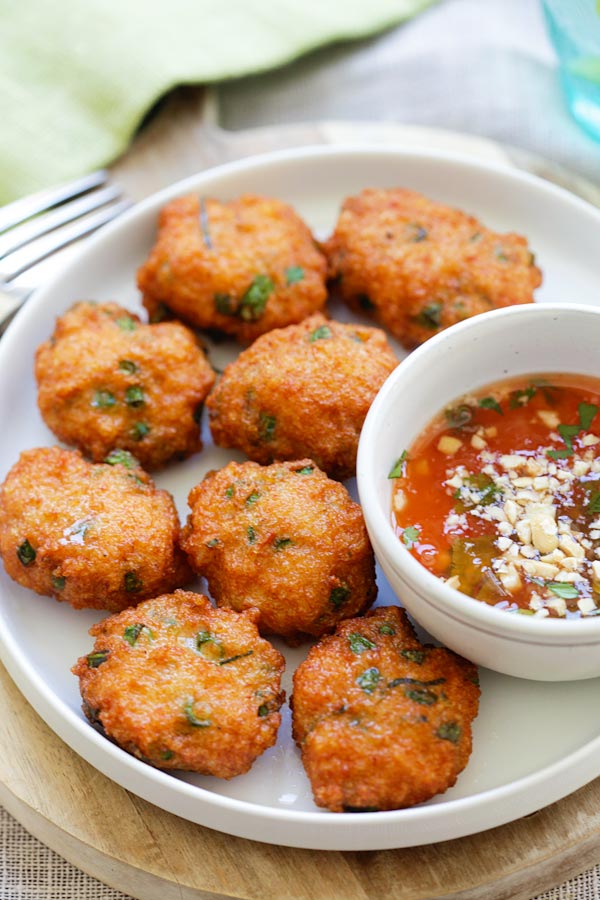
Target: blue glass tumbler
(574, 28)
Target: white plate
(533, 742)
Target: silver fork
(38, 226)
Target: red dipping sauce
(500, 495)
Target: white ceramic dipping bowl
(521, 340)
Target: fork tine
(19, 210)
(23, 234)
(28, 257)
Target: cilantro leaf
(587, 414)
(563, 589)
(397, 470)
(490, 403)
(410, 536)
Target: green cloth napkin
(77, 76)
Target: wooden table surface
(153, 855)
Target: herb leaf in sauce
(397, 470)
(490, 403)
(593, 505)
(563, 589)
(458, 416)
(410, 536)
(587, 414)
(522, 396)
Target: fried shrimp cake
(284, 539)
(105, 380)
(241, 268)
(95, 535)
(302, 391)
(382, 721)
(182, 685)
(419, 266)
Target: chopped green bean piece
(369, 679)
(126, 323)
(430, 316)
(192, 718)
(127, 365)
(140, 430)
(294, 274)
(359, 643)
(339, 595)
(320, 334)
(449, 731)
(414, 655)
(422, 696)
(253, 302)
(133, 583)
(266, 427)
(96, 659)
(26, 554)
(132, 632)
(225, 305)
(103, 400)
(122, 457)
(134, 396)
(224, 662)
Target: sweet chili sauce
(500, 495)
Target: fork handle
(10, 301)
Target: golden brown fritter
(106, 380)
(418, 266)
(182, 685)
(241, 268)
(302, 391)
(383, 722)
(98, 536)
(284, 539)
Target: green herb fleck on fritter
(26, 554)
(294, 274)
(359, 643)
(369, 679)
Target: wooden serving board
(153, 855)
